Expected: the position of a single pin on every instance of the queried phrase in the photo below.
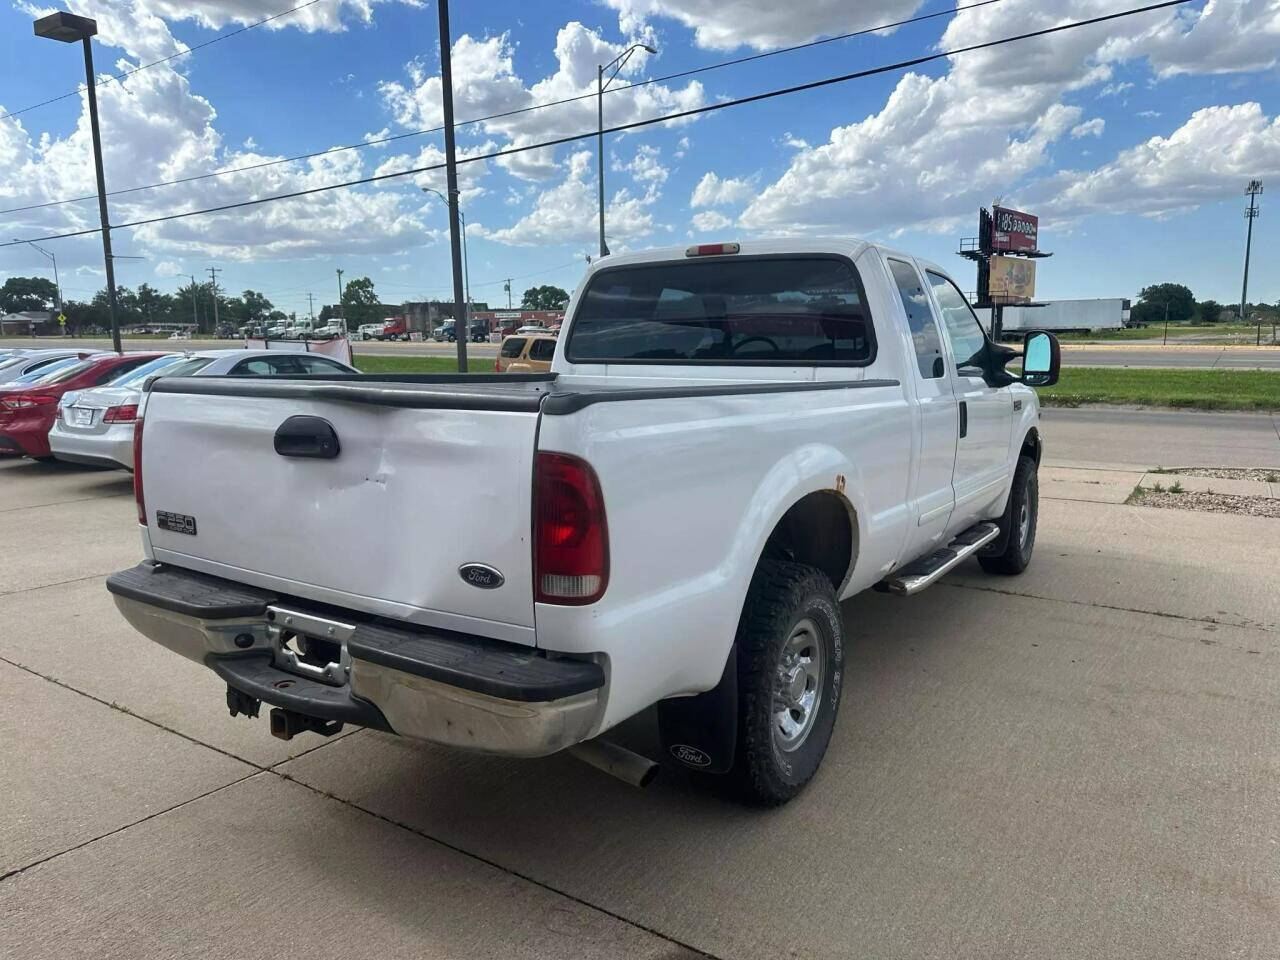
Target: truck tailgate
(426, 480)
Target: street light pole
(57, 284)
(68, 28)
(621, 61)
(1251, 191)
(342, 314)
(1166, 323)
(466, 264)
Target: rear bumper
(112, 448)
(448, 688)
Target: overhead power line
(634, 125)
(378, 141)
(120, 77)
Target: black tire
(1017, 537)
(782, 597)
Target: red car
(27, 412)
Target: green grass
(1189, 389)
(373, 363)
(1156, 332)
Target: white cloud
(1149, 114)
(646, 166)
(794, 142)
(1206, 160)
(708, 220)
(1115, 89)
(167, 268)
(566, 213)
(682, 147)
(763, 24)
(1224, 36)
(1090, 128)
(485, 83)
(714, 191)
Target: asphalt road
(1263, 358)
(1168, 438)
(1076, 763)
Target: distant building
(29, 323)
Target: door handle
(964, 418)
(311, 437)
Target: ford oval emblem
(690, 755)
(481, 575)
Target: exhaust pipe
(626, 765)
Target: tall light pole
(1251, 191)
(342, 314)
(601, 83)
(57, 284)
(466, 265)
(68, 28)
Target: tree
(545, 297)
(1150, 307)
(1208, 311)
(257, 307)
(359, 303)
(27, 293)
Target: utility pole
(507, 287)
(195, 310)
(1251, 191)
(213, 272)
(451, 178)
(311, 307)
(341, 312)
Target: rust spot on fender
(839, 483)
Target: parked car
(19, 366)
(732, 440)
(27, 411)
(395, 328)
(532, 329)
(96, 426)
(525, 354)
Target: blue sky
(1133, 141)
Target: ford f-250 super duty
(732, 439)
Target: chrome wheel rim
(797, 686)
(1024, 521)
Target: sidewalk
(1113, 483)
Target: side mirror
(1041, 359)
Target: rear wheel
(790, 665)
(1018, 524)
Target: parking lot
(1079, 762)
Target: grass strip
(1180, 389)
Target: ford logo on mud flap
(690, 755)
(481, 575)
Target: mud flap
(702, 732)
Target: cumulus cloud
(715, 191)
(711, 220)
(566, 213)
(1208, 158)
(1224, 36)
(1090, 128)
(485, 83)
(762, 24)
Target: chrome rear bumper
(460, 691)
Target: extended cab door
(932, 497)
(986, 412)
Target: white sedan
(96, 426)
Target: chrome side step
(924, 572)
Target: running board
(924, 572)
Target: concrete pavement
(1077, 762)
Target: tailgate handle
(312, 437)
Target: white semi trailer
(1111, 313)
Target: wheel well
(818, 530)
(1031, 446)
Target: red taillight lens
(570, 535)
(126, 413)
(711, 249)
(497, 366)
(137, 472)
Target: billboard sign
(1013, 280)
(1013, 230)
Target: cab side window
(920, 320)
(542, 350)
(968, 342)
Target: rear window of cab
(808, 310)
(512, 347)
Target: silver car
(11, 368)
(96, 426)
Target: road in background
(1076, 355)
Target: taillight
(570, 535)
(711, 249)
(497, 365)
(137, 473)
(22, 402)
(125, 413)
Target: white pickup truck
(732, 439)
